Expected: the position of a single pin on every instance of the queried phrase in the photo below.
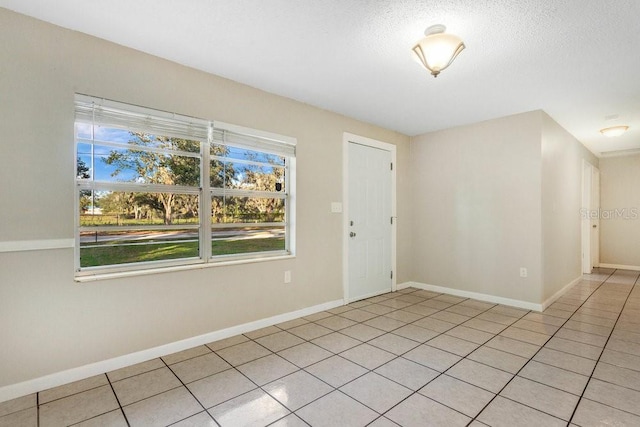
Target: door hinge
(392, 166)
(392, 274)
(391, 220)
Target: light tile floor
(409, 358)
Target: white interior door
(590, 217)
(369, 221)
(595, 221)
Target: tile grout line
(333, 389)
(424, 343)
(461, 357)
(38, 404)
(529, 359)
(595, 366)
(288, 415)
(534, 355)
(190, 392)
(381, 415)
(258, 387)
(366, 369)
(126, 419)
(596, 361)
(384, 332)
(235, 368)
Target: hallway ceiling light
(614, 131)
(437, 50)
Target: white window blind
(89, 109)
(250, 142)
(114, 114)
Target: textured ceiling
(578, 60)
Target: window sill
(159, 270)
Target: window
(156, 189)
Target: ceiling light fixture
(437, 50)
(614, 131)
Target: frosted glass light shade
(437, 50)
(614, 131)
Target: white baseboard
(561, 292)
(404, 285)
(371, 295)
(495, 299)
(59, 378)
(475, 295)
(620, 267)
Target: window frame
(151, 121)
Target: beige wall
(620, 190)
(49, 322)
(562, 157)
(476, 207)
(496, 196)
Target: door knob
(352, 234)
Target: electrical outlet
(287, 276)
(523, 272)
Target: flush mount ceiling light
(437, 50)
(614, 131)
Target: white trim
(404, 285)
(501, 300)
(363, 140)
(59, 378)
(136, 187)
(621, 267)
(181, 267)
(585, 223)
(345, 217)
(589, 249)
(291, 205)
(561, 292)
(619, 153)
(475, 295)
(346, 139)
(36, 245)
(371, 295)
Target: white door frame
(346, 139)
(595, 222)
(589, 218)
